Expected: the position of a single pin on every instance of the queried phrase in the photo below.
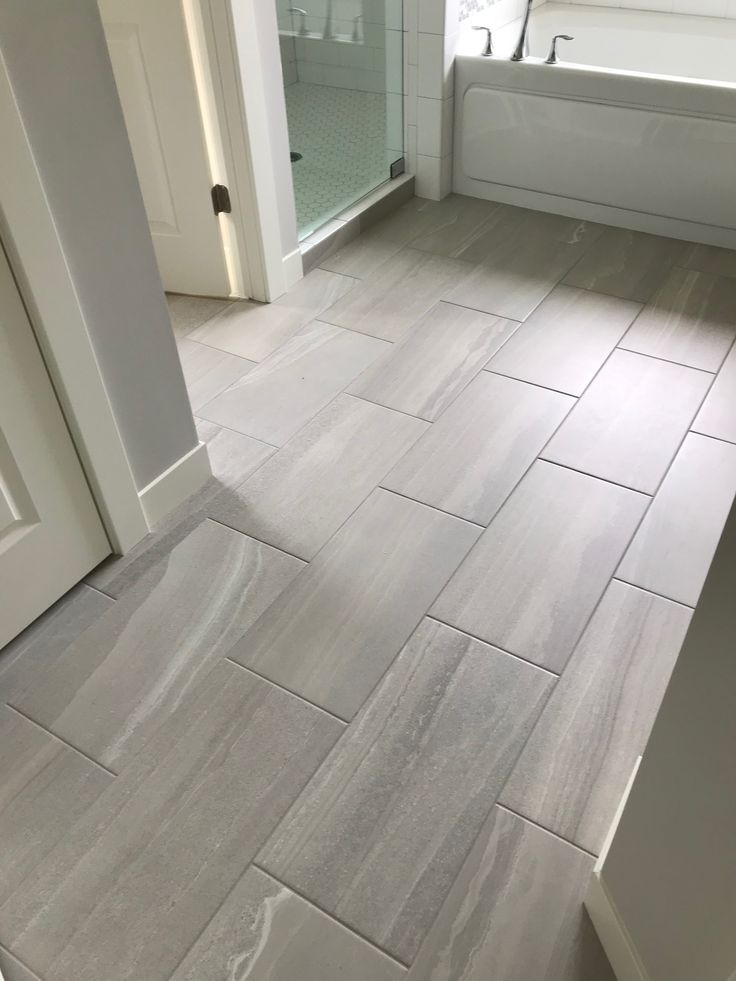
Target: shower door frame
(242, 44)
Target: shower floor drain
(295, 156)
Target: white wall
(706, 8)
(60, 71)
(671, 868)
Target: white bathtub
(637, 126)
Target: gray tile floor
(363, 708)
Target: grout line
(332, 916)
(64, 742)
(101, 591)
(525, 381)
(287, 691)
(549, 831)
(652, 592)
(230, 429)
(717, 439)
(658, 357)
(260, 541)
(423, 504)
(593, 476)
(9, 953)
(383, 405)
(489, 643)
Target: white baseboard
(609, 926)
(175, 485)
(293, 271)
(687, 231)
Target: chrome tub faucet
(521, 51)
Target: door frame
(39, 265)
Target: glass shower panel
(343, 72)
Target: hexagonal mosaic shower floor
(341, 135)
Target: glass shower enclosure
(342, 63)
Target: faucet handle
(488, 49)
(552, 58)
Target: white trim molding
(39, 264)
(611, 930)
(175, 485)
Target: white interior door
(50, 532)
(153, 66)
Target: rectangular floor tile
(566, 340)
(253, 330)
(209, 371)
(39, 645)
(515, 277)
(299, 499)
(13, 970)
(507, 227)
(363, 255)
(631, 421)
(710, 259)
(397, 294)
(286, 390)
(458, 221)
(263, 932)
(692, 320)
(627, 264)
(541, 566)
(515, 912)
(189, 312)
(472, 458)
(233, 458)
(674, 546)
(336, 629)
(44, 788)
(120, 680)
(718, 415)
(574, 770)
(425, 371)
(130, 889)
(381, 830)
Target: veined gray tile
(233, 458)
(515, 912)
(425, 371)
(108, 692)
(286, 390)
(335, 630)
(672, 550)
(692, 320)
(574, 770)
(141, 874)
(397, 294)
(631, 421)
(45, 787)
(717, 417)
(208, 371)
(253, 330)
(381, 830)
(516, 276)
(566, 340)
(711, 259)
(474, 455)
(506, 227)
(541, 566)
(458, 222)
(13, 970)
(264, 932)
(299, 499)
(363, 255)
(188, 312)
(39, 645)
(627, 264)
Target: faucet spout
(521, 51)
